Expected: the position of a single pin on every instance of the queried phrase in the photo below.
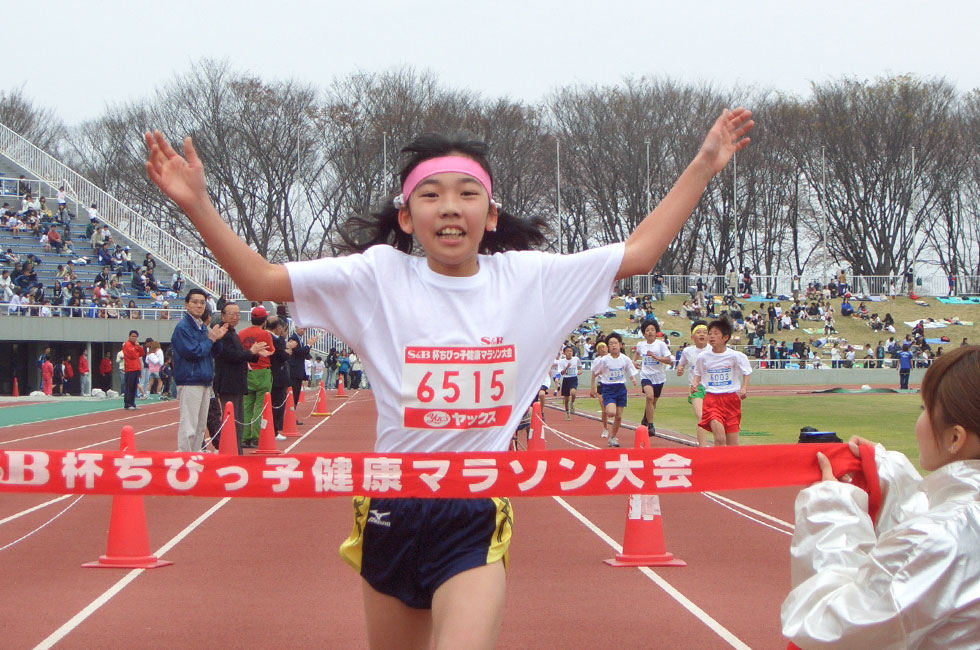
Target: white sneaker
(614, 441)
(279, 436)
(605, 434)
(568, 416)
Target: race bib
(458, 387)
(720, 376)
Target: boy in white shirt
(699, 336)
(726, 379)
(611, 370)
(654, 356)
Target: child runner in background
(909, 579)
(569, 367)
(477, 288)
(725, 374)
(653, 355)
(690, 354)
(601, 350)
(611, 370)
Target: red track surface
(259, 573)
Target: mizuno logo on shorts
(379, 518)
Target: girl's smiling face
(448, 214)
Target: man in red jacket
(105, 372)
(132, 365)
(84, 373)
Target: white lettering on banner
(672, 471)
(81, 466)
(383, 474)
(283, 470)
(485, 468)
(624, 471)
(581, 480)
(458, 387)
(24, 464)
(132, 471)
(239, 482)
(645, 507)
(432, 480)
(333, 474)
(536, 478)
(193, 467)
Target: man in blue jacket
(194, 369)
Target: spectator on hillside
(747, 280)
(192, 344)
(904, 367)
(658, 286)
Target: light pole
(558, 190)
(823, 205)
(647, 142)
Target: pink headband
(432, 166)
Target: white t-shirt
(569, 367)
(453, 361)
(611, 370)
(650, 368)
(722, 372)
(689, 357)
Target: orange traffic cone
(267, 433)
(535, 440)
(129, 544)
(340, 387)
(289, 417)
(300, 399)
(228, 441)
(643, 541)
(321, 403)
(16, 392)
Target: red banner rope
(442, 475)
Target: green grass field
(768, 419)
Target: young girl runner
(909, 579)
(601, 350)
(470, 293)
(654, 355)
(612, 369)
(569, 368)
(690, 354)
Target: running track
(259, 573)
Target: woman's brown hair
(950, 389)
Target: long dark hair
(513, 233)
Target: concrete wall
(115, 330)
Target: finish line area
(253, 572)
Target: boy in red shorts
(725, 375)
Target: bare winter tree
(884, 142)
(35, 123)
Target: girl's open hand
(179, 178)
(727, 135)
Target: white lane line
(106, 596)
(671, 591)
(738, 505)
(34, 509)
(22, 538)
(83, 426)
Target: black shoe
(651, 430)
(644, 421)
(298, 423)
(250, 444)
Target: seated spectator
(846, 309)
(6, 286)
(139, 282)
(15, 302)
(786, 322)
(103, 256)
(178, 286)
(46, 309)
(132, 311)
(862, 311)
(151, 280)
(114, 290)
(63, 216)
(54, 239)
(149, 263)
(127, 260)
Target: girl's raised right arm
(183, 181)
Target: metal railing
(781, 285)
(164, 246)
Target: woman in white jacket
(911, 579)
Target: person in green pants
(259, 377)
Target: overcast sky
(84, 55)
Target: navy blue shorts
(568, 384)
(614, 394)
(657, 388)
(407, 548)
